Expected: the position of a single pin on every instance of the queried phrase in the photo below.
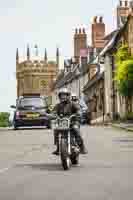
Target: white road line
(4, 170)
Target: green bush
(124, 71)
(4, 119)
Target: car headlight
(64, 124)
(75, 126)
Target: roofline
(97, 76)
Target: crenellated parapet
(31, 71)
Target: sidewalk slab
(5, 128)
(128, 127)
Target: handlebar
(69, 118)
(54, 116)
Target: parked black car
(30, 111)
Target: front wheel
(66, 162)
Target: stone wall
(35, 77)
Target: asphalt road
(28, 170)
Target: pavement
(28, 170)
(125, 126)
(4, 128)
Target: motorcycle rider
(66, 108)
(74, 98)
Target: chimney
(83, 30)
(98, 32)
(95, 20)
(80, 42)
(121, 4)
(80, 31)
(123, 10)
(131, 4)
(101, 19)
(126, 3)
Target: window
(36, 102)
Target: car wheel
(49, 126)
(15, 126)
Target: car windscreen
(32, 102)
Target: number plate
(32, 115)
(61, 125)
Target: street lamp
(102, 100)
(79, 84)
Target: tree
(4, 119)
(124, 71)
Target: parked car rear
(31, 111)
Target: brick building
(123, 10)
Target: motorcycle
(68, 147)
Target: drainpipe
(103, 101)
(79, 85)
(113, 87)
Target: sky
(47, 23)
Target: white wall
(108, 84)
(54, 97)
(73, 87)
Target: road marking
(4, 170)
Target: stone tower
(57, 58)
(123, 10)
(45, 56)
(80, 42)
(34, 75)
(98, 33)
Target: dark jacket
(67, 109)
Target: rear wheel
(66, 162)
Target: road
(28, 170)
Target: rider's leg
(56, 142)
(79, 139)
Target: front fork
(68, 141)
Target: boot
(56, 152)
(81, 145)
(83, 150)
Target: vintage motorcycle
(68, 147)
